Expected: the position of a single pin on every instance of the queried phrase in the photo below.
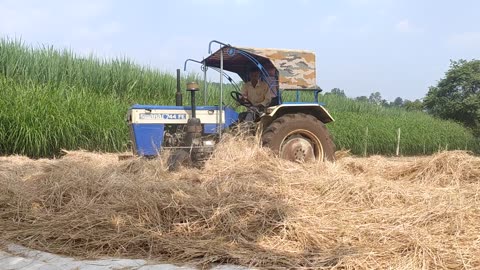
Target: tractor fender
(316, 110)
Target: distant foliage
(416, 105)
(398, 102)
(457, 95)
(375, 98)
(337, 92)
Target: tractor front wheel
(299, 137)
(178, 159)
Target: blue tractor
(293, 130)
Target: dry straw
(249, 208)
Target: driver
(256, 90)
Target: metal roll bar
(204, 69)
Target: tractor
(293, 130)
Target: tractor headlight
(208, 143)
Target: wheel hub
(297, 149)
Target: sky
(396, 47)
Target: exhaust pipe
(192, 88)
(178, 95)
(194, 126)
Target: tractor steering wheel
(241, 99)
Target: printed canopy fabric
(295, 68)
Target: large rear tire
(299, 137)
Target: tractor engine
(188, 132)
(174, 136)
(191, 139)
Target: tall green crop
(53, 99)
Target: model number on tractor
(164, 116)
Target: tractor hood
(294, 69)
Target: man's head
(254, 74)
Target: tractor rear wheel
(299, 137)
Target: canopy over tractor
(286, 69)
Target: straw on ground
(247, 207)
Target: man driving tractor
(257, 92)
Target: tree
(375, 98)
(337, 91)
(362, 99)
(457, 95)
(384, 103)
(416, 105)
(398, 102)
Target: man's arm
(268, 96)
(244, 90)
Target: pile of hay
(246, 207)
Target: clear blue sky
(396, 47)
